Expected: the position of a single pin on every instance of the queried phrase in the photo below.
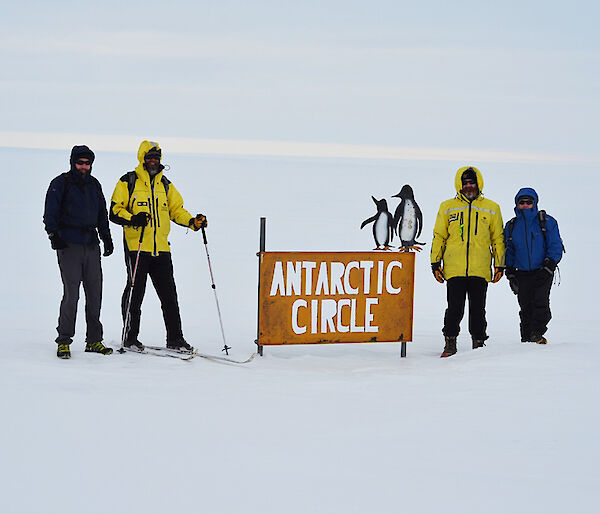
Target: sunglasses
(468, 182)
(150, 157)
(83, 163)
(525, 202)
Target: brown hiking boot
(539, 339)
(450, 348)
(478, 343)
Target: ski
(203, 355)
(161, 352)
(225, 359)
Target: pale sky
(514, 78)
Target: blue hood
(527, 213)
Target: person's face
(525, 203)
(469, 188)
(152, 163)
(83, 165)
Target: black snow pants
(78, 264)
(534, 300)
(458, 289)
(160, 270)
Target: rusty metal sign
(341, 297)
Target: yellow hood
(458, 181)
(145, 147)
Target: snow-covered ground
(318, 429)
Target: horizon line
(269, 148)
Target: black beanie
(469, 173)
(79, 152)
(153, 152)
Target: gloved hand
(436, 268)
(57, 242)
(511, 275)
(549, 265)
(498, 272)
(109, 248)
(198, 222)
(140, 219)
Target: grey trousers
(80, 263)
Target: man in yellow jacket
(468, 232)
(145, 202)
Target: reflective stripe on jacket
(467, 235)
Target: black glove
(549, 265)
(57, 242)
(140, 219)
(436, 268)
(109, 248)
(198, 222)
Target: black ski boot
(134, 345)
(478, 343)
(63, 352)
(180, 345)
(450, 348)
(98, 348)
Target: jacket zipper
(153, 214)
(462, 227)
(476, 221)
(468, 239)
(88, 204)
(527, 242)
(157, 214)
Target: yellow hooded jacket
(468, 234)
(151, 196)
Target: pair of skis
(184, 355)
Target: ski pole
(128, 311)
(214, 287)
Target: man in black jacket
(75, 213)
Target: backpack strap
(165, 182)
(68, 184)
(131, 177)
(543, 218)
(511, 227)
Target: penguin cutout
(383, 228)
(408, 220)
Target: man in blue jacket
(74, 214)
(533, 249)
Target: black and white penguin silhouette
(408, 220)
(383, 228)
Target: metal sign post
(261, 250)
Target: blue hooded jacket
(528, 246)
